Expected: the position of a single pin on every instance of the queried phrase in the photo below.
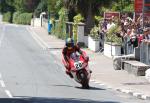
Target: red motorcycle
(79, 69)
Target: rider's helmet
(69, 43)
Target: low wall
(45, 23)
(36, 22)
(111, 50)
(1, 18)
(86, 40)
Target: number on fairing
(78, 65)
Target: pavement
(102, 67)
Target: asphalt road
(30, 74)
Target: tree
(6, 5)
(51, 6)
(88, 8)
(26, 5)
(31, 5)
(42, 6)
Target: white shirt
(110, 25)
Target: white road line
(2, 83)
(38, 39)
(96, 82)
(0, 75)
(8, 93)
(35, 37)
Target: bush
(77, 19)
(15, 17)
(59, 27)
(7, 17)
(112, 37)
(94, 32)
(22, 18)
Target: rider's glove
(86, 58)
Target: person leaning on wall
(146, 35)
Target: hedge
(22, 18)
(15, 17)
(7, 17)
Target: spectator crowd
(132, 31)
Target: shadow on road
(50, 100)
(62, 85)
(91, 88)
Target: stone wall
(36, 22)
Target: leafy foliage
(42, 6)
(7, 17)
(94, 32)
(51, 5)
(6, 5)
(111, 35)
(22, 18)
(15, 17)
(59, 28)
(77, 19)
(25, 5)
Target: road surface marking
(35, 37)
(0, 75)
(38, 39)
(2, 83)
(8, 93)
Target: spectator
(146, 34)
(110, 24)
(104, 25)
(133, 38)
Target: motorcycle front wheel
(84, 80)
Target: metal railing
(145, 53)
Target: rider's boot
(68, 73)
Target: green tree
(42, 6)
(6, 5)
(26, 5)
(51, 5)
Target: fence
(145, 53)
(128, 47)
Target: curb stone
(130, 92)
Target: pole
(111, 46)
(143, 14)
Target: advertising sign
(109, 15)
(147, 6)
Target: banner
(147, 6)
(109, 15)
(138, 6)
(147, 1)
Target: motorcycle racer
(69, 48)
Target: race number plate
(78, 65)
